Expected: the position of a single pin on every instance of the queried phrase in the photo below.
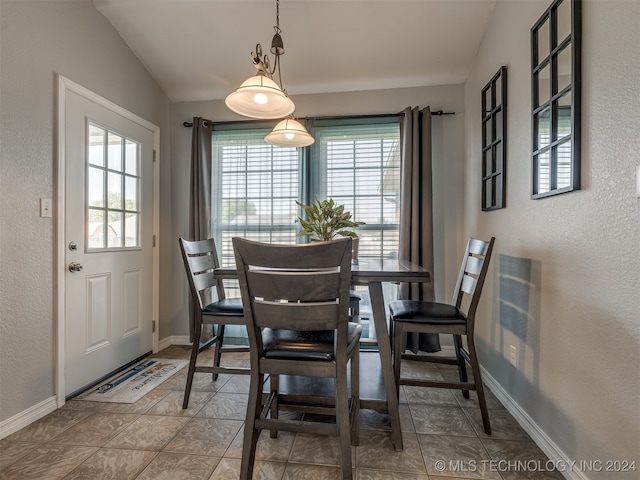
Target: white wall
(565, 278)
(448, 152)
(38, 40)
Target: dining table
(373, 272)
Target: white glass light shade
(260, 97)
(289, 133)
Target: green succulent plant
(326, 220)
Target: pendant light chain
(277, 62)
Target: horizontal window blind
(359, 166)
(256, 186)
(254, 190)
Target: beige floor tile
(435, 419)
(237, 384)
(203, 382)
(272, 449)
(503, 425)
(453, 456)
(376, 452)
(472, 402)
(49, 427)
(149, 432)
(11, 452)
(171, 404)
(96, 430)
(298, 471)
(172, 466)
(315, 449)
(204, 436)
(225, 405)
(47, 461)
(429, 396)
(229, 469)
(108, 463)
(364, 474)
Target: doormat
(131, 385)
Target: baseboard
(28, 416)
(174, 340)
(555, 454)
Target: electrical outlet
(513, 355)
(45, 208)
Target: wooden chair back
(200, 259)
(295, 287)
(473, 271)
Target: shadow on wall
(518, 308)
(516, 321)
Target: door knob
(75, 267)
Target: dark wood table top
(369, 270)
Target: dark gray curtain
(416, 216)
(200, 190)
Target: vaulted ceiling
(200, 49)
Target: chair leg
(462, 364)
(355, 396)
(218, 350)
(475, 369)
(192, 365)
(397, 354)
(274, 387)
(342, 420)
(251, 434)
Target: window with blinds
(254, 190)
(255, 185)
(358, 165)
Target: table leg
(384, 346)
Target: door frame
(65, 85)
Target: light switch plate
(45, 208)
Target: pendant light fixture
(262, 98)
(289, 133)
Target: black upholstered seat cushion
(415, 311)
(291, 344)
(228, 305)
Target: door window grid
(113, 190)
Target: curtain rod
(436, 113)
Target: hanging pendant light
(289, 133)
(262, 98)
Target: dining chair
(211, 307)
(296, 303)
(457, 318)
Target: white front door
(108, 240)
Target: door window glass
(113, 190)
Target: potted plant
(326, 220)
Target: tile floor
(155, 439)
